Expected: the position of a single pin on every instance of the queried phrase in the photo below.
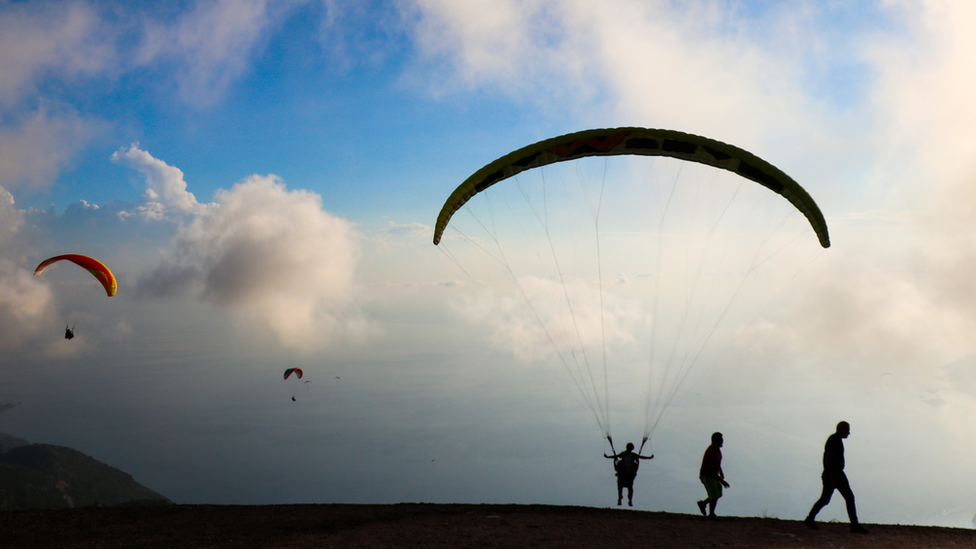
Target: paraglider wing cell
(95, 267)
(636, 141)
(296, 371)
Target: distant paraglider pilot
(712, 477)
(69, 333)
(626, 464)
(298, 375)
(834, 478)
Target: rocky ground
(437, 526)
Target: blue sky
(263, 178)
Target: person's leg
(844, 487)
(702, 503)
(828, 490)
(630, 495)
(620, 492)
(713, 487)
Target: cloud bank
(540, 324)
(270, 254)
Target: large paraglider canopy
(627, 256)
(635, 141)
(95, 267)
(297, 371)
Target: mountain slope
(9, 442)
(40, 476)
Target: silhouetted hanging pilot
(69, 333)
(625, 464)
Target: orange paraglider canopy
(95, 267)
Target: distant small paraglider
(298, 374)
(297, 371)
(69, 333)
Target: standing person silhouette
(626, 464)
(711, 476)
(834, 478)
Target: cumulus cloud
(273, 255)
(11, 219)
(863, 318)
(26, 305)
(927, 133)
(165, 186)
(895, 292)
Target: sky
(263, 178)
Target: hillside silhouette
(44, 476)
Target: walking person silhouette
(834, 478)
(712, 476)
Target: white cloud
(25, 302)
(274, 256)
(11, 219)
(165, 186)
(486, 40)
(414, 230)
(33, 152)
(541, 324)
(213, 44)
(67, 38)
(30, 311)
(925, 94)
(26, 305)
(895, 292)
(863, 318)
(694, 66)
(38, 42)
(688, 65)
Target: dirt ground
(418, 525)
